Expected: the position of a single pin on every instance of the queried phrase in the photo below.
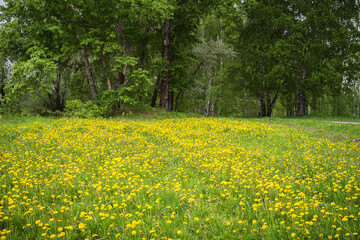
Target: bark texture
(164, 84)
(89, 74)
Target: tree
(4, 78)
(294, 47)
(102, 34)
(178, 30)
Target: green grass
(177, 177)
(323, 127)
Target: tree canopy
(248, 57)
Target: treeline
(231, 57)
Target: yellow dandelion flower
(81, 225)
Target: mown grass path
(191, 178)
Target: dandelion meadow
(190, 178)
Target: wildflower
(81, 226)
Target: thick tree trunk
(164, 85)
(268, 104)
(262, 106)
(56, 97)
(271, 104)
(156, 91)
(89, 74)
(301, 104)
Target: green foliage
(248, 51)
(108, 102)
(135, 89)
(75, 108)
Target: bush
(75, 108)
(108, 102)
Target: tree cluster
(232, 57)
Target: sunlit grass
(334, 127)
(190, 178)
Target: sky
(1, 2)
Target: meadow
(177, 178)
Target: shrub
(108, 102)
(75, 108)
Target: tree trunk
(178, 99)
(268, 103)
(171, 100)
(2, 85)
(207, 108)
(156, 91)
(108, 81)
(89, 74)
(122, 75)
(301, 104)
(271, 104)
(63, 95)
(208, 97)
(212, 109)
(58, 104)
(262, 106)
(354, 105)
(164, 84)
(56, 97)
(244, 103)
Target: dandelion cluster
(192, 178)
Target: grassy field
(177, 178)
(335, 128)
